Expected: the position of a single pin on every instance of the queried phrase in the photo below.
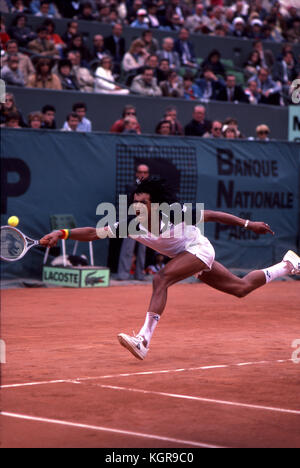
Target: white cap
(256, 21)
(141, 11)
(238, 20)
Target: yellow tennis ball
(13, 221)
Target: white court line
(133, 374)
(206, 400)
(109, 429)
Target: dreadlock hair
(158, 190)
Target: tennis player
(191, 254)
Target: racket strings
(11, 245)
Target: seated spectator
(41, 45)
(37, 8)
(293, 33)
(54, 37)
(252, 93)
(104, 79)
(99, 50)
(199, 21)
(262, 132)
(177, 7)
(35, 120)
(44, 10)
(150, 43)
(104, 11)
(229, 132)
(80, 109)
(4, 36)
(163, 70)
(141, 20)
(86, 12)
(285, 72)
(153, 19)
(231, 92)
(83, 77)
(48, 113)
(171, 115)
(20, 31)
(209, 85)
(11, 72)
(173, 86)
(238, 28)
(130, 125)
(69, 8)
(185, 49)
(134, 6)
(266, 56)
(267, 88)
(10, 106)
(118, 126)
(216, 130)
(64, 73)
(199, 124)
(232, 122)
(164, 127)
(145, 84)
(168, 52)
(136, 57)
(115, 46)
(71, 123)
(72, 30)
(253, 64)
(190, 89)
(43, 76)
(220, 31)
(12, 120)
(213, 60)
(18, 6)
(255, 31)
(77, 43)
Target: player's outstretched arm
(259, 227)
(85, 234)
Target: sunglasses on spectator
(217, 128)
(263, 132)
(130, 113)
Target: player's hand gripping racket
(14, 244)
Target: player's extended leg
(179, 268)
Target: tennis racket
(14, 244)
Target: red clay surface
(70, 335)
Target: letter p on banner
(2, 352)
(2, 91)
(296, 353)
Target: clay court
(219, 373)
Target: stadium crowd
(42, 58)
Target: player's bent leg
(220, 278)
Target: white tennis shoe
(134, 344)
(294, 260)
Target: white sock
(149, 326)
(277, 271)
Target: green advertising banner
(50, 172)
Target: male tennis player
(190, 252)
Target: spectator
(213, 60)
(11, 72)
(171, 115)
(209, 85)
(48, 112)
(70, 9)
(133, 9)
(130, 125)
(198, 22)
(216, 130)
(35, 120)
(293, 33)
(86, 12)
(163, 70)
(255, 31)
(252, 93)
(262, 132)
(104, 79)
(168, 52)
(19, 7)
(238, 28)
(115, 46)
(153, 20)
(185, 49)
(71, 124)
(173, 86)
(41, 45)
(10, 106)
(72, 30)
(77, 43)
(80, 109)
(82, 75)
(285, 72)
(179, 8)
(199, 124)
(36, 5)
(54, 37)
(190, 89)
(118, 126)
(104, 15)
(136, 56)
(164, 127)
(99, 47)
(231, 92)
(150, 43)
(43, 76)
(20, 31)
(129, 245)
(64, 73)
(253, 64)
(229, 132)
(12, 120)
(44, 10)
(4, 36)
(175, 23)
(266, 56)
(269, 91)
(158, 265)
(232, 122)
(141, 20)
(146, 84)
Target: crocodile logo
(91, 280)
